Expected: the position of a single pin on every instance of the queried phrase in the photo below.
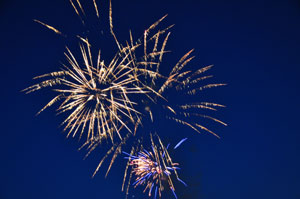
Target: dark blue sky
(254, 46)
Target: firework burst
(152, 169)
(156, 104)
(95, 95)
(112, 100)
(183, 84)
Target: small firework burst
(152, 169)
(96, 95)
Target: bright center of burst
(96, 94)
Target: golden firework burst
(185, 84)
(96, 95)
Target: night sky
(254, 46)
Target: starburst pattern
(153, 168)
(95, 95)
(183, 84)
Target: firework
(153, 168)
(95, 95)
(184, 84)
(128, 53)
(105, 99)
(154, 103)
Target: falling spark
(76, 11)
(96, 8)
(48, 26)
